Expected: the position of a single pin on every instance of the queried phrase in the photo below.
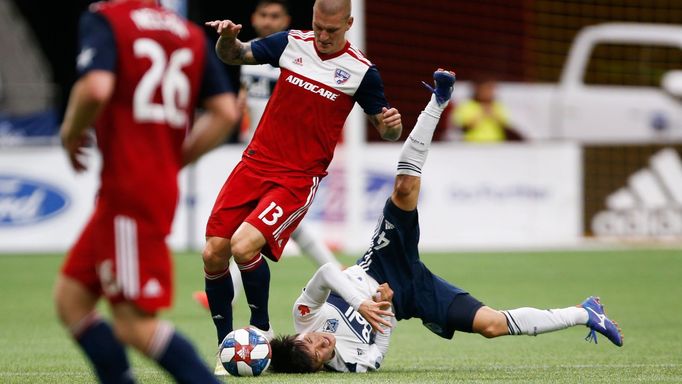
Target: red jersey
(159, 59)
(314, 94)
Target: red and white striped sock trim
(159, 342)
(216, 275)
(83, 324)
(251, 264)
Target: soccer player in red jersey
(269, 191)
(143, 70)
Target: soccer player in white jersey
(258, 81)
(341, 318)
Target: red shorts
(275, 205)
(123, 259)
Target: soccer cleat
(219, 368)
(598, 322)
(269, 335)
(444, 82)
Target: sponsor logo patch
(303, 309)
(649, 205)
(26, 201)
(330, 326)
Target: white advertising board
(43, 203)
(472, 196)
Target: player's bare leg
(159, 341)
(406, 192)
(490, 323)
(246, 245)
(216, 254)
(75, 306)
(416, 147)
(532, 321)
(73, 301)
(134, 327)
(311, 246)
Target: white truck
(622, 82)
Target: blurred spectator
(483, 118)
(258, 81)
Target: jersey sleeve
(215, 80)
(96, 43)
(329, 277)
(269, 49)
(370, 93)
(378, 349)
(311, 301)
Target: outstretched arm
(378, 349)
(228, 48)
(329, 277)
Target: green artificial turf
(641, 289)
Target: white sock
(416, 147)
(313, 247)
(533, 321)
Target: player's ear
(349, 23)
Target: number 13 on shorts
(271, 214)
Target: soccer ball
(245, 352)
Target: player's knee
(124, 332)
(405, 185)
(216, 255)
(60, 305)
(243, 250)
(488, 331)
(72, 303)
(490, 323)
(494, 328)
(130, 333)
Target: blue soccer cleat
(445, 84)
(598, 322)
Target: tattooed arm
(388, 123)
(228, 48)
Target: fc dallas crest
(341, 76)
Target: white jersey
(358, 348)
(259, 81)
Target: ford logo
(24, 201)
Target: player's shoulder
(99, 6)
(357, 54)
(109, 6)
(301, 35)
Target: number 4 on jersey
(382, 241)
